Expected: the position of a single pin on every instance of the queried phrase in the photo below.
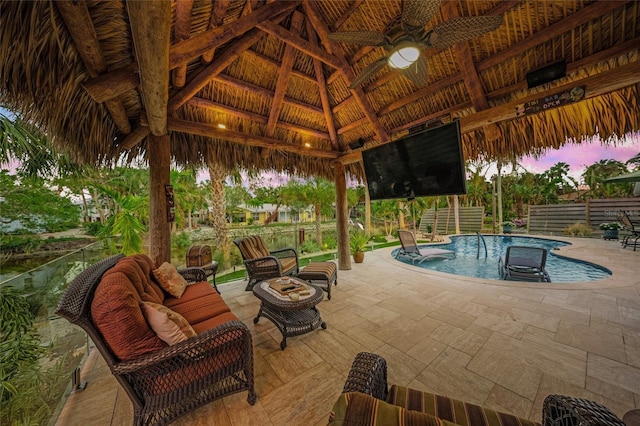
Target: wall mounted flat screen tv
(420, 164)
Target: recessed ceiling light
(307, 144)
(221, 126)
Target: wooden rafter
(211, 131)
(322, 88)
(299, 43)
(134, 138)
(184, 51)
(151, 27)
(181, 31)
(276, 64)
(78, 22)
(214, 106)
(261, 91)
(216, 20)
(283, 75)
(321, 28)
(590, 12)
(221, 61)
(347, 13)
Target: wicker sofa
(211, 358)
(366, 400)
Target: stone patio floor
(504, 345)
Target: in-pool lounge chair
(411, 250)
(523, 263)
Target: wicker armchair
(368, 375)
(170, 382)
(262, 264)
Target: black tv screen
(420, 164)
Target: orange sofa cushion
(117, 314)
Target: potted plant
(358, 243)
(610, 230)
(507, 226)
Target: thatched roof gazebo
(160, 79)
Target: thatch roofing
(268, 73)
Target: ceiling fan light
(403, 56)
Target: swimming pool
(560, 268)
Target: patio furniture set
(174, 345)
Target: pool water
(560, 268)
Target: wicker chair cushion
(116, 313)
(198, 303)
(253, 247)
(168, 325)
(169, 279)
(287, 263)
(355, 408)
(146, 265)
(455, 411)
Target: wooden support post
(159, 172)
(367, 210)
(342, 218)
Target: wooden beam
(109, 86)
(585, 15)
(150, 23)
(283, 75)
(421, 93)
(78, 22)
(214, 106)
(181, 31)
(210, 131)
(299, 43)
(596, 85)
(216, 20)
(261, 91)
(351, 157)
(184, 51)
(222, 61)
(322, 88)
(311, 9)
(134, 138)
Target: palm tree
(218, 175)
(124, 224)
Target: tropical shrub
(310, 246)
(578, 230)
(329, 243)
(379, 239)
(358, 241)
(614, 226)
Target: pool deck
(504, 345)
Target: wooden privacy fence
(470, 220)
(554, 218)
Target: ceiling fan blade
(369, 71)
(364, 37)
(417, 72)
(416, 13)
(462, 28)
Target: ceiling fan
(405, 38)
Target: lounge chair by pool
(410, 249)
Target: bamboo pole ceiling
(260, 85)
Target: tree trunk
(342, 220)
(218, 174)
(318, 227)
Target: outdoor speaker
(357, 144)
(546, 74)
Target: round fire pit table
(292, 317)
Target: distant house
(245, 215)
